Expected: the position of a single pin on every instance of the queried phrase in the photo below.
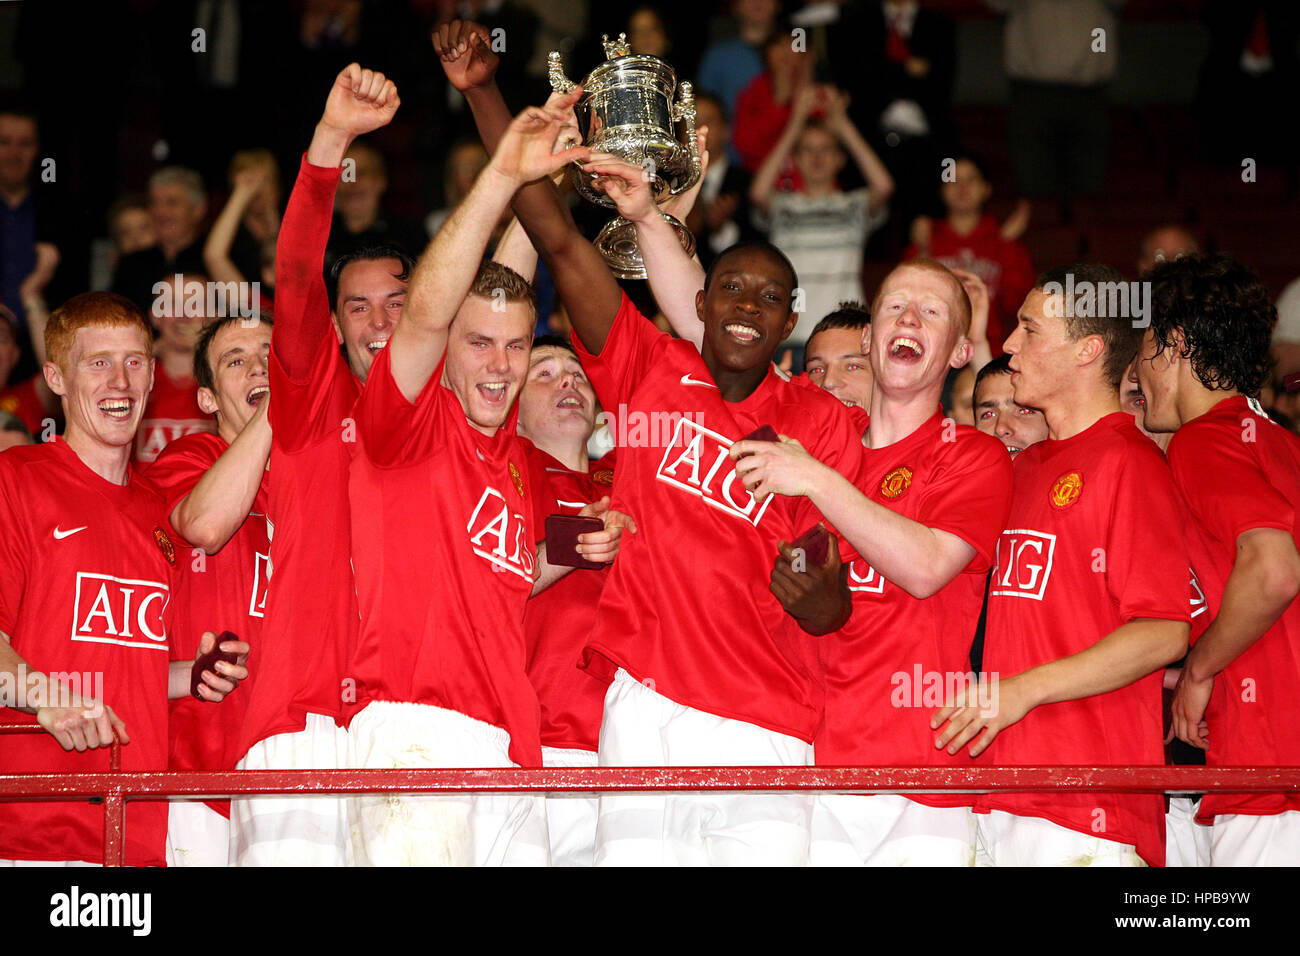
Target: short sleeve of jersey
(395, 432)
(1222, 485)
(306, 411)
(971, 496)
(178, 469)
(543, 497)
(13, 560)
(631, 346)
(1145, 557)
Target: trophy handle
(555, 73)
(684, 109)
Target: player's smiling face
(487, 359)
(997, 414)
(916, 332)
(1042, 355)
(239, 358)
(745, 310)
(367, 306)
(835, 362)
(108, 377)
(557, 402)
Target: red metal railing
(115, 787)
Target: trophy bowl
(627, 109)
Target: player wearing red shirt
(297, 707)
(750, 692)
(1089, 599)
(84, 590)
(173, 408)
(1203, 360)
(923, 513)
(833, 359)
(440, 482)
(214, 488)
(557, 414)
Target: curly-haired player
(1202, 363)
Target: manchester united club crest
(165, 545)
(896, 482)
(1067, 489)
(604, 476)
(517, 479)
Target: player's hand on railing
(84, 725)
(985, 709)
(215, 686)
(360, 101)
(465, 51)
(602, 546)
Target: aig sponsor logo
(261, 575)
(1199, 604)
(500, 536)
(157, 433)
(1024, 563)
(111, 610)
(696, 461)
(863, 577)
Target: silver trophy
(627, 109)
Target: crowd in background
(842, 147)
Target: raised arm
(359, 102)
(216, 251)
(880, 184)
(675, 278)
(764, 181)
(588, 290)
(447, 268)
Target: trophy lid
(615, 48)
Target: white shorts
(197, 835)
(1007, 839)
(424, 830)
(1240, 839)
(571, 818)
(641, 728)
(293, 831)
(1187, 843)
(889, 830)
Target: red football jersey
(557, 621)
(898, 657)
(172, 411)
(687, 608)
(444, 556)
(1236, 471)
(311, 612)
(1094, 540)
(85, 584)
(214, 592)
(23, 401)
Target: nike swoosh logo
(687, 380)
(60, 535)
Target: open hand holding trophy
(627, 109)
